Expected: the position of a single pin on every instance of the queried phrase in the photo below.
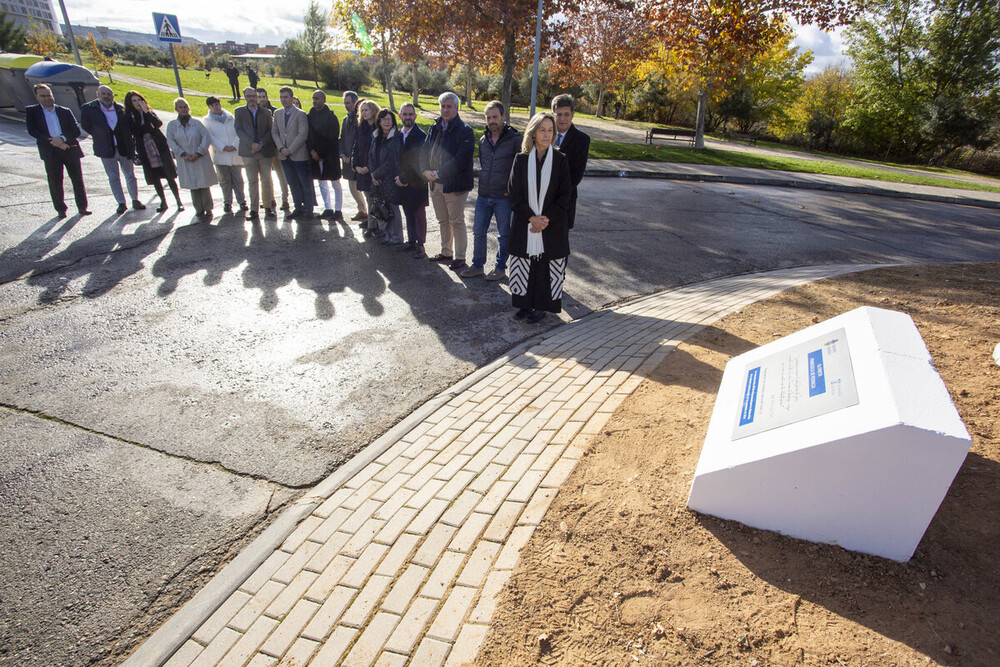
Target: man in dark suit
(574, 143)
(253, 127)
(104, 120)
(57, 133)
(411, 183)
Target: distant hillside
(123, 36)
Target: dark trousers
(54, 172)
(300, 183)
(416, 223)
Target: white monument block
(841, 433)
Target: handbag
(380, 208)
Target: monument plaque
(841, 433)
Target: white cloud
(827, 47)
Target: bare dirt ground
(622, 573)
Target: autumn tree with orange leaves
(713, 39)
(604, 42)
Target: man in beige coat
(290, 131)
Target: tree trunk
(387, 76)
(509, 56)
(468, 84)
(416, 83)
(600, 102)
(699, 140)
(316, 70)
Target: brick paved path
(401, 555)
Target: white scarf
(536, 196)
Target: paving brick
(390, 488)
(387, 659)
(248, 644)
(300, 653)
(263, 572)
(390, 468)
(364, 565)
(330, 524)
(517, 469)
(288, 630)
(355, 546)
(218, 647)
(428, 516)
(523, 490)
(395, 526)
(456, 485)
(357, 614)
(412, 627)
(421, 498)
(434, 545)
(298, 560)
(478, 565)
(502, 522)
(361, 494)
(467, 535)
(333, 502)
(512, 549)
(454, 463)
(497, 494)
(328, 615)
(252, 610)
(287, 598)
(391, 505)
(398, 554)
(185, 655)
(405, 589)
(448, 621)
(364, 475)
(469, 641)
(368, 646)
(431, 653)
(442, 575)
(261, 660)
(418, 462)
(360, 516)
(221, 617)
(559, 473)
(335, 647)
(424, 475)
(511, 449)
(301, 532)
(489, 596)
(445, 456)
(482, 459)
(438, 429)
(329, 578)
(459, 510)
(475, 439)
(548, 457)
(322, 558)
(537, 506)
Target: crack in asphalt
(218, 465)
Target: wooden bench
(749, 139)
(670, 132)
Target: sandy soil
(622, 573)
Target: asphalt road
(168, 386)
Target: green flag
(359, 29)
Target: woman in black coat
(367, 111)
(540, 194)
(151, 147)
(383, 161)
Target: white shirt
(52, 121)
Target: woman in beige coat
(189, 141)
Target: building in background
(23, 12)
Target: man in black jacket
(497, 148)
(57, 133)
(412, 187)
(104, 120)
(446, 160)
(574, 144)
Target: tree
(713, 39)
(98, 56)
(41, 41)
(822, 106)
(293, 60)
(316, 36)
(13, 38)
(380, 24)
(188, 55)
(603, 43)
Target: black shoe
(523, 313)
(360, 216)
(285, 206)
(84, 211)
(61, 213)
(441, 258)
(338, 216)
(121, 209)
(269, 213)
(254, 215)
(243, 207)
(162, 207)
(368, 233)
(138, 205)
(534, 317)
(227, 209)
(327, 214)
(457, 264)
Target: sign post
(169, 30)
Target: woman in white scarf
(540, 194)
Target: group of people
(527, 183)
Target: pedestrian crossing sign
(167, 28)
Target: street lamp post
(69, 32)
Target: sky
(269, 22)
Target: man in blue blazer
(104, 119)
(57, 133)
